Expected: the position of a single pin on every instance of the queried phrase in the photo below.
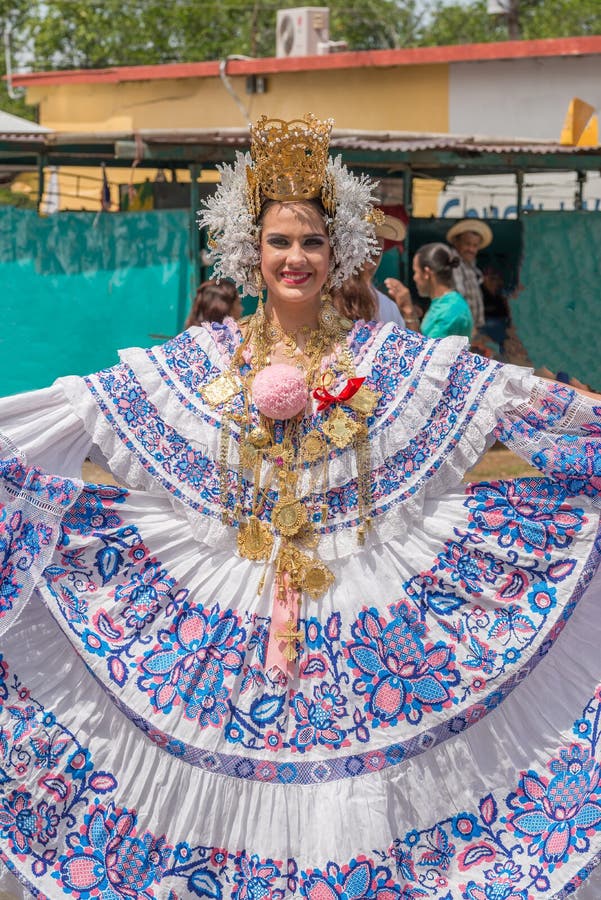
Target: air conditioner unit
(299, 31)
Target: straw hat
(476, 226)
(391, 229)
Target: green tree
(13, 17)
(81, 34)
(100, 33)
(461, 23)
(559, 18)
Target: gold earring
(328, 317)
(260, 312)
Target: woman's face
(295, 253)
(421, 278)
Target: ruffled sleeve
(39, 433)
(558, 431)
(43, 427)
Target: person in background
(358, 298)
(392, 231)
(497, 316)
(433, 269)
(213, 302)
(468, 237)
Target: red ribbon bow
(325, 399)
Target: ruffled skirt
(438, 738)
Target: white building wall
(520, 97)
(524, 98)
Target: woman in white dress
(294, 655)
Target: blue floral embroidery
(557, 814)
(109, 856)
(316, 719)
(401, 674)
(350, 882)
(144, 593)
(52, 489)
(24, 822)
(21, 545)
(387, 671)
(528, 513)
(25, 543)
(257, 878)
(568, 457)
(105, 849)
(189, 664)
(93, 510)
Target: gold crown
(289, 158)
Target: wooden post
(408, 205)
(579, 198)
(193, 243)
(519, 182)
(41, 179)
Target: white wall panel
(520, 97)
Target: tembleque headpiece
(290, 158)
(288, 162)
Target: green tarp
(75, 287)
(557, 313)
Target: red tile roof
(574, 46)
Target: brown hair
(355, 299)
(212, 303)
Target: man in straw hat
(468, 237)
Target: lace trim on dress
(32, 505)
(439, 408)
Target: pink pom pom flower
(280, 391)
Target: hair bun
(454, 262)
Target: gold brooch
(254, 540)
(364, 401)
(259, 436)
(340, 428)
(220, 390)
(289, 516)
(313, 446)
(317, 579)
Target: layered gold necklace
(280, 521)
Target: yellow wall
(403, 98)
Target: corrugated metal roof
(15, 125)
(383, 141)
(435, 155)
(392, 142)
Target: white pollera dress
(440, 734)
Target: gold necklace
(278, 454)
(263, 334)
